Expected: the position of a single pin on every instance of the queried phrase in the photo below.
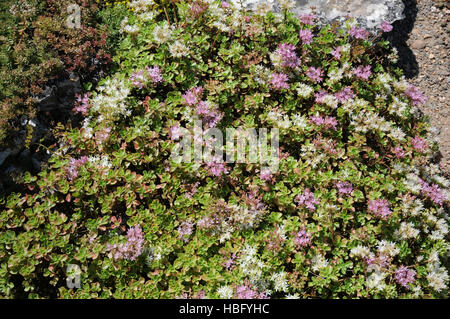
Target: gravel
(423, 41)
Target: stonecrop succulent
(356, 208)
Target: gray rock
(4, 155)
(369, 13)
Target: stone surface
(369, 13)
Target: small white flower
(162, 34)
(178, 49)
(225, 292)
(318, 262)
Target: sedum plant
(355, 210)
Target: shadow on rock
(400, 34)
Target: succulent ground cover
(356, 208)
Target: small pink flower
(432, 192)
(315, 74)
(302, 238)
(345, 94)
(386, 26)
(363, 72)
(279, 81)
(82, 104)
(306, 36)
(175, 132)
(307, 200)
(155, 74)
(307, 19)
(419, 144)
(404, 276)
(359, 33)
(288, 55)
(319, 96)
(344, 188)
(379, 207)
(416, 95)
(399, 152)
(337, 52)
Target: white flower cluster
(111, 100)
(318, 262)
(377, 280)
(279, 119)
(141, 5)
(127, 28)
(360, 251)
(280, 282)
(178, 49)
(225, 292)
(305, 91)
(250, 264)
(387, 248)
(407, 231)
(101, 161)
(437, 276)
(162, 34)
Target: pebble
(418, 44)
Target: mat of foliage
(37, 47)
(356, 209)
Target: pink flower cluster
(386, 26)
(344, 188)
(210, 115)
(102, 135)
(217, 168)
(432, 192)
(82, 103)
(229, 264)
(192, 96)
(302, 238)
(307, 18)
(416, 95)
(185, 230)
(363, 72)
(132, 248)
(307, 200)
(139, 78)
(381, 261)
(419, 144)
(379, 207)
(398, 151)
(225, 5)
(155, 74)
(328, 122)
(74, 165)
(345, 94)
(319, 96)
(175, 132)
(306, 36)
(315, 74)
(279, 81)
(359, 33)
(246, 291)
(265, 174)
(404, 276)
(288, 55)
(198, 7)
(337, 52)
